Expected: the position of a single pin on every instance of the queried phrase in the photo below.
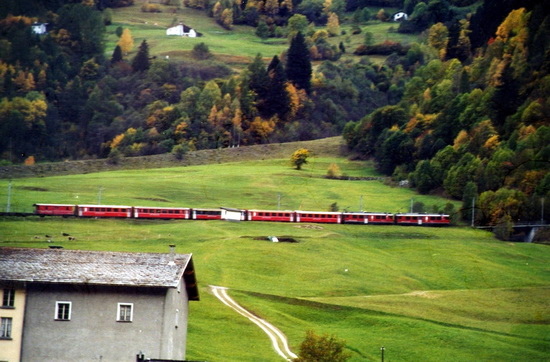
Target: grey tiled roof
(93, 267)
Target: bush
(333, 171)
(299, 158)
(179, 151)
(322, 348)
(386, 48)
(150, 8)
(115, 156)
(201, 52)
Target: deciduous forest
(462, 112)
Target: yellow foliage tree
(461, 139)
(438, 38)
(126, 41)
(333, 171)
(299, 158)
(29, 161)
(333, 24)
(326, 7)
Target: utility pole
(382, 349)
(473, 210)
(99, 195)
(412, 205)
(278, 201)
(542, 211)
(361, 203)
(8, 206)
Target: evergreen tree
(298, 64)
(141, 62)
(258, 81)
(117, 55)
(277, 101)
(262, 31)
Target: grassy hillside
(426, 294)
(235, 47)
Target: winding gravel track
(278, 339)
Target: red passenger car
(206, 214)
(55, 209)
(319, 216)
(422, 219)
(147, 212)
(271, 215)
(367, 218)
(104, 211)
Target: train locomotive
(292, 216)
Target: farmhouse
(182, 30)
(39, 28)
(399, 16)
(69, 305)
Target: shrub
(150, 8)
(333, 171)
(179, 151)
(115, 156)
(299, 158)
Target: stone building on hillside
(69, 305)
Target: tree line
(473, 125)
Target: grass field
(236, 47)
(429, 294)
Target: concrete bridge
(522, 231)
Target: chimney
(172, 254)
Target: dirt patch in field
(280, 239)
(152, 199)
(308, 226)
(31, 188)
(423, 294)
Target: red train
(150, 212)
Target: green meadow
(430, 294)
(235, 47)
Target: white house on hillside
(399, 16)
(181, 30)
(39, 28)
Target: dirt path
(278, 339)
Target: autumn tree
(299, 158)
(126, 41)
(438, 38)
(325, 348)
(333, 24)
(333, 171)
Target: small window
(125, 312)
(5, 328)
(9, 298)
(63, 311)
